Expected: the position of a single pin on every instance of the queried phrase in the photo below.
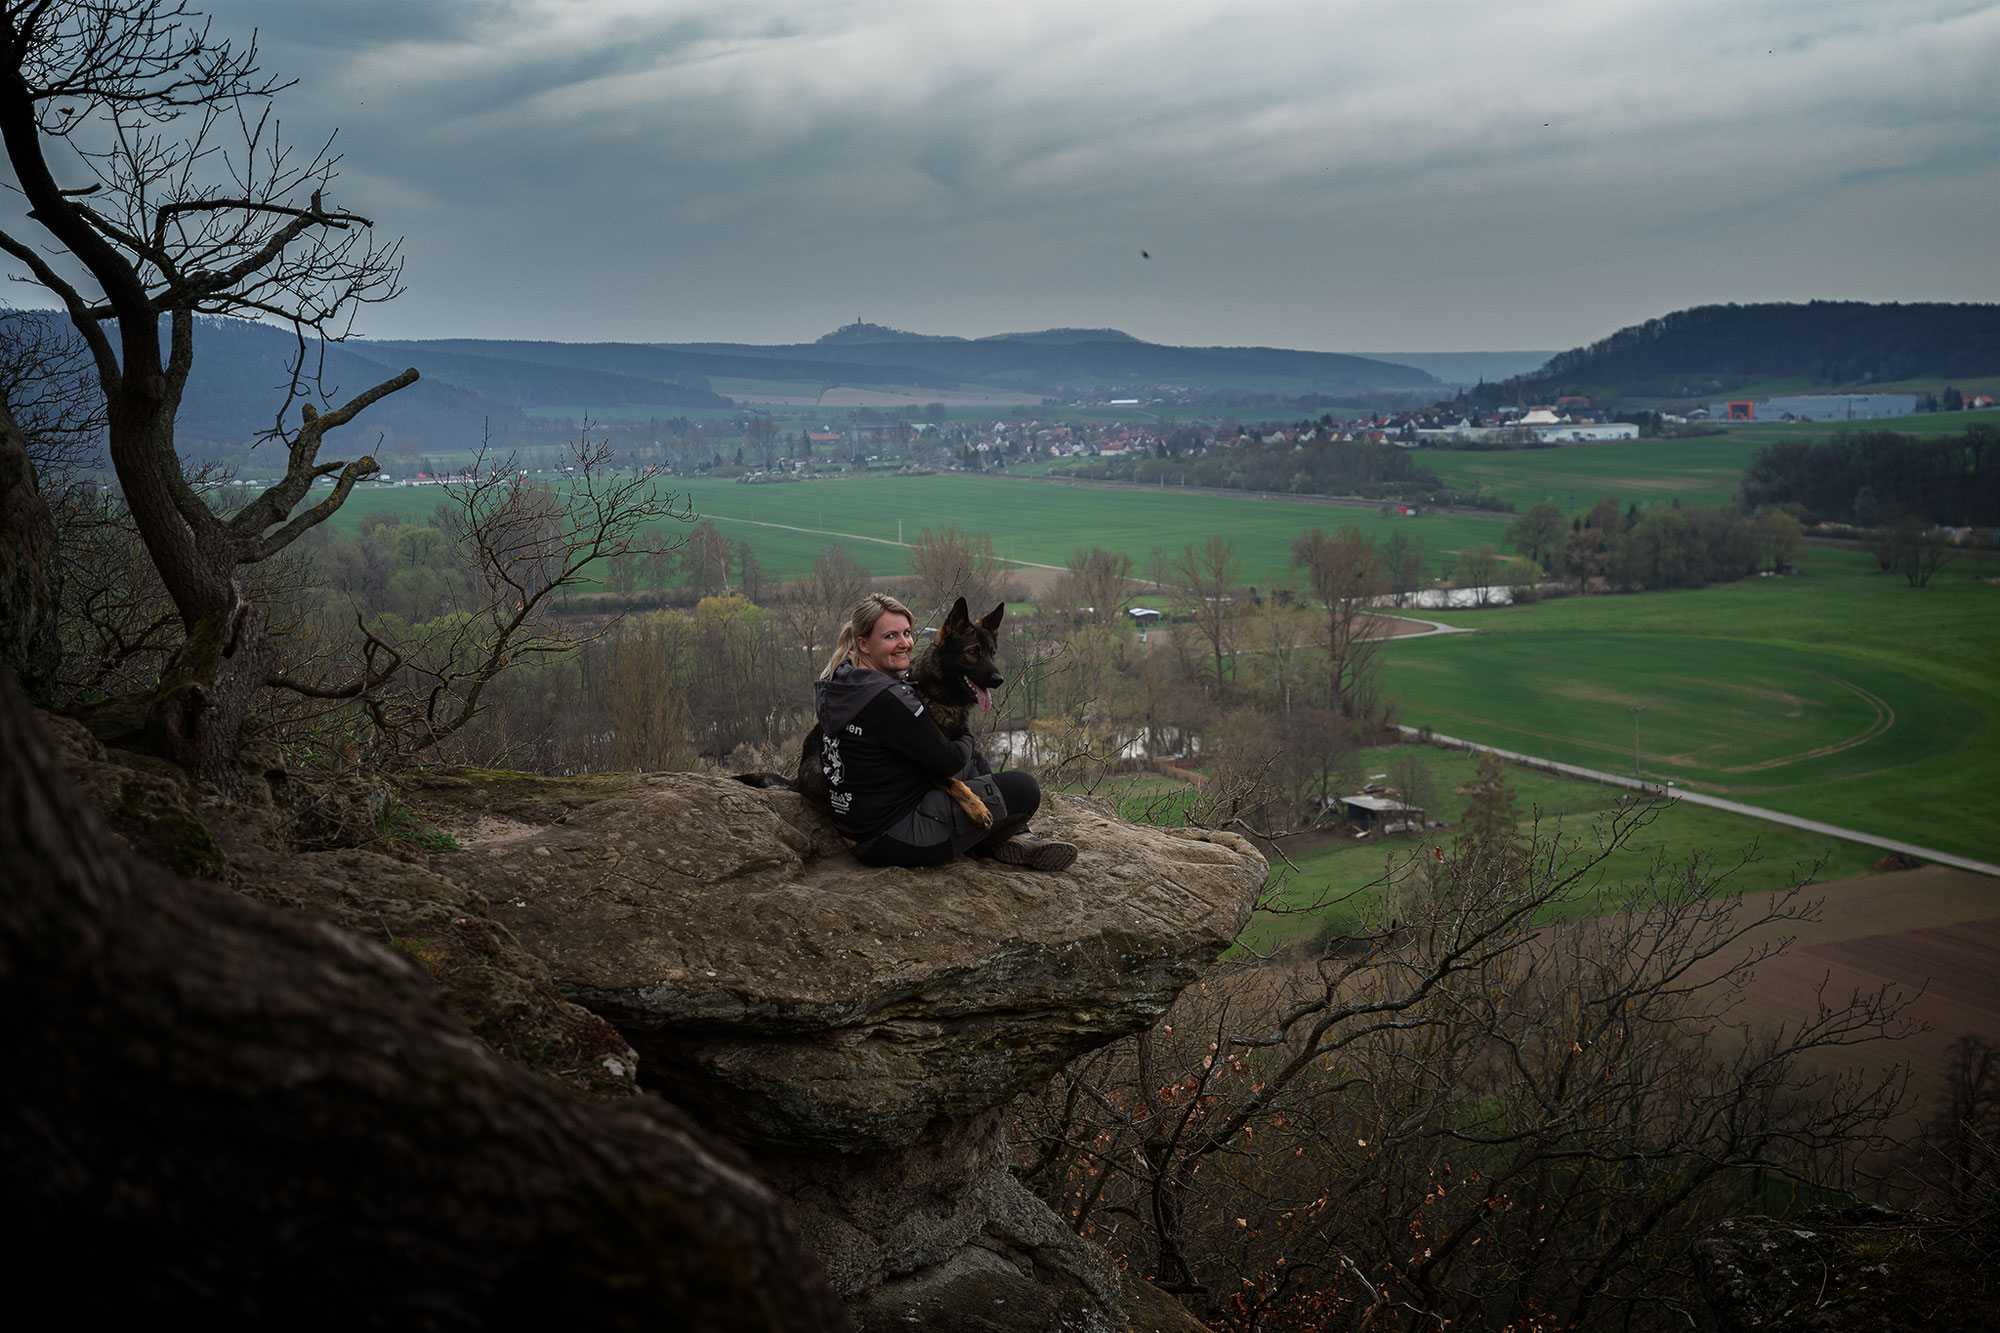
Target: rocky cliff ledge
(860, 1032)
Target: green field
(1703, 470)
(1040, 523)
(1840, 695)
(1335, 881)
(789, 524)
(630, 412)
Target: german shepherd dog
(953, 675)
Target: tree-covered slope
(1717, 347)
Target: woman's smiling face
(886, 648)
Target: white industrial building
(1818, 407)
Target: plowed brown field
(1932, 933)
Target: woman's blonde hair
(867, 612)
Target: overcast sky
(1340, 175)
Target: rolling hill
(1694, 353)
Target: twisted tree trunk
(218, 1110)
(28, 643)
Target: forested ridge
(1713, 348)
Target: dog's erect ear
(990, 622)
(957, 622)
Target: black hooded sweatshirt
(882, 752)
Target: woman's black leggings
(1019, 793)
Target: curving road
(1717, 802)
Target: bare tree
(822, 601)
(1403, 562)
(524, 545)
(948, 563)
(1204, 590)
(186, 202)
(1346, 577)
(706, 558)
(1458, 1116)
(764, 440)
(49, 383)
(648, 712)
(1093, 587)
(1537, 534)
(1476, 569)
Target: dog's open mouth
(985, 695)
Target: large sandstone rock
(861, 1031)
(382, 891)
(800, 1000)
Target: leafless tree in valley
(1460, 1112)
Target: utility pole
(1635, 710)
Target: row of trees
(1874, 478)
(1667, 546)
(1320, 467)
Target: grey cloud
(1419, 175)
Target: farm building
(1819, 407)
(1382, 814)
(1587, 432)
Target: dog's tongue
(985, 697)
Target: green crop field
(1840, 695)
(789, 524)
(1702, 471)
(411, 504)
(1038, 523)
(1333, 882)
(630, 412)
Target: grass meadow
(1840, 694)
(1334, 881)
(1037, 523)
(1701, 471)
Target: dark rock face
(499, 990)
(1865, 1267)
(237, 1115)
(860, 1031)
(147, 802)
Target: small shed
(1382, 814)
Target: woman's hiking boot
(1035, 852)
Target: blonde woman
(883, 759)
